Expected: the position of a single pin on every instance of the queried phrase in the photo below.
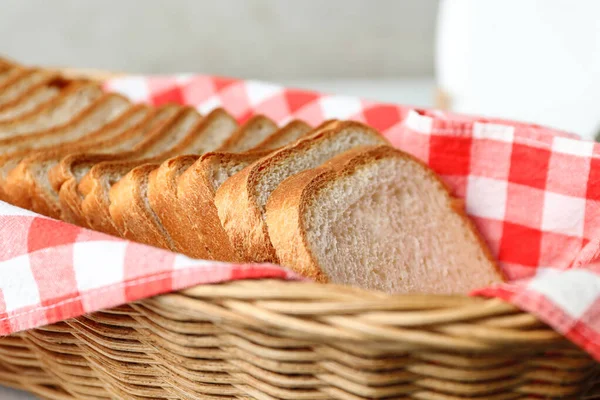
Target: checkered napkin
(533, 192)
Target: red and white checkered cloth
(533, 192)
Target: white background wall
(268, 39)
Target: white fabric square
(258, 92)
(501, 133)
(572, 290)
(98, 263)
(418, 123)
(563, 214)
(17, 283)
(10, 210)
(134, 87)
(208, 105)
(183, 262)
(486, 197)
(573, 146)
(340, 107)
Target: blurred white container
(531, 60)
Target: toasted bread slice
(17, 88)
(180, 137)
(66, 175)
(73, 100)
(33, 172)
(242, 198)
(248, 136)
(379, 219)
(129, 206)
(182, 190)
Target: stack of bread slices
(334, 202)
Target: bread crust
(201, 234)
(49, 80)
(236, 201)
(128, 208)
(95, 187)
(291, 132)
(63, 176)
(162, 197)
(96, 184)
(241, 141)
(137, 212)
(21, 186)
(46, 196)
(194, 224)
(71, 89)
(287, 204)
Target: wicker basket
(289, 340)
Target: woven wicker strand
(275, 340)
(267, 340)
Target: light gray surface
(266, 39)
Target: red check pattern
(533, 192)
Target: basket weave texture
(288, 340)
(291, 340)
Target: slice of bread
(73, 100)
(242, 198)
(11, 75)
(95, 186)
(33, 171)
(249, 135)
(87, 123)
(379, 219)
(163, 187)
(37, 97)
(291, 132)
(194, 225)
(129, 206)
(182, 195)
(17, 88)
(67, 174)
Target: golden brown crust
(148, 228)
(202, 234)
(285, 224)
(21, 185)
(236, 202)
(162, 197)
(128, 209)
(96, 184)
(286, 206)
(23, 180)
(236, 142)
(95, 187)
(291, 132)
(69, 90)
(64, 177)
(47, 80)
(15, 75)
